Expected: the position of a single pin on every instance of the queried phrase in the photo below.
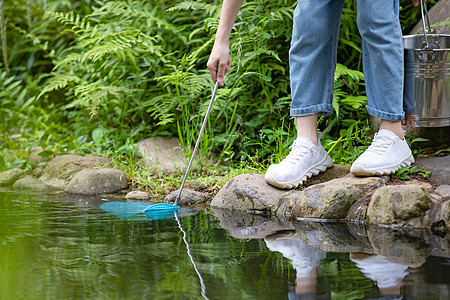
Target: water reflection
(202, 282)
(56, 247)
(388, 263)
(387, 275)
(304, 259)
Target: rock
(360, 199)
(438, 166)
(400, 205)
(359, 231)
(440, 194)
(137, 195)
(188, 197)
(399, 247)
(97, 181)
(30, 183)
(163, 154)
(436, 198)
(358, 211)
(8, 177)
(440, 12)
(329, 200)
(425, 185)
(440, 245)
(250, 192)
(249, 226)
(332, 173)
(443, 190)
(34, 158)
(38, 171)
(438, 217)
(61, 169)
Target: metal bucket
(427, 78)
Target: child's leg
(312, 62)
(312, 56)
(383, 57)
(383, 63)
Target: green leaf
(419, 139)
(46, 153)
(2, 163)
(267, 78)
(97, 135)
(17, 164)
(82, 139)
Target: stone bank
(369, 200)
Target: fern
(341, 96)
(93, 95)
(71, 58)
(131, 10)
(98, 50)
(161, 108)
(76, 24)
(192, 5)
(354, 101)
(342, 70)
(57, 82)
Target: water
(61, 247)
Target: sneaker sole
(314, 170)
(361, 171)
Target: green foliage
(349, 46)
(345, 280)
(93, 76)
(443, 152)
(405, 173)
(350, 119)
(410, 15)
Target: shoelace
(380, 144)
(298, 150)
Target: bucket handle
(430, 29)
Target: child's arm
(219, 62)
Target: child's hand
(219, 62)
(416, 2)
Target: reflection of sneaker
(384, 272)
(302, 257)
(304, 160)
(385, 155)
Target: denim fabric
(312, 56)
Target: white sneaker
(304, 160)
(385, 155)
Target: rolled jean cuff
(409, 110)
(321, 109)
(384, 115)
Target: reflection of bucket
(427, 79)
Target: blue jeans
(312, 56)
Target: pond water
(61, 247)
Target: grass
(210, 178)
